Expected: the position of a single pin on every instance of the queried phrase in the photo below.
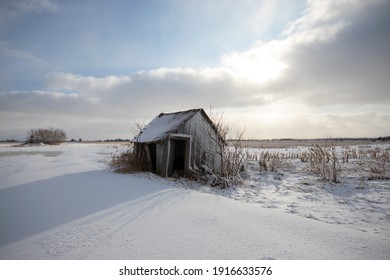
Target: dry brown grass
(126, 162)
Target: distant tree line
(49, 136)
(114, 140)
(9, 140)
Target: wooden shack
(173, 143)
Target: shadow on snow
(32, 208)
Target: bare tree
(227, 160)
(219, 136)
(138, 127)
(50, 136)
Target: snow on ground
(63, 202)
(363, 205)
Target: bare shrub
(219, 135)
(272, 161)
(304, 156)
(377, 169)
(264, 158)
(377, 164)
(49, 136)
(234, 158)
(225, 171)
(127, 162)
(324, 162)
(131, 160)
(275, 163)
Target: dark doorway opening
(179, 156)
(153, 156)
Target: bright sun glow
(260, 64)
(270, 121)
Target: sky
(271, 68)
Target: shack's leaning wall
(205, 150)
(160, 156)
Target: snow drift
(64, 203)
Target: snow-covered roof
(162, 125)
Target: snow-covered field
(63, 202)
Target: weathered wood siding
(201, 141)
(160, 156)
(205, 150)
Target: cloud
(299, 122)
(10, 9)
(20, 64)
(78, 115)
(350, 65)
(6, 51)
(260, 64)
(336, 53)
(170, 88)
(335, 56)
